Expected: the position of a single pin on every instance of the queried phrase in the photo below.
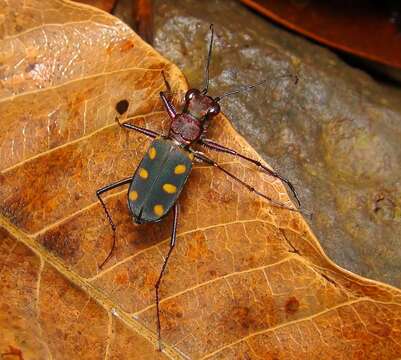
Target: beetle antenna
(252, 86)
(209, 55)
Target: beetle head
(200, 105)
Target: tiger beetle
(162, 173)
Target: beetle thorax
(199, 108)
(185, 129)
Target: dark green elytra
(158, 180)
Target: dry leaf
(106, 5)
(246, 280)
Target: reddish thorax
(185, 128)
(189, 125)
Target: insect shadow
(162, 173)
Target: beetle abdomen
(158, 180)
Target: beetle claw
(117, 120)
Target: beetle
(155, 187)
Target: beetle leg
(167, 97)
(147, 132)
(168, 93)
(106, 211)
(204, 158)
(171, 111)
(157, 285)
(217, 147)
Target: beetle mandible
(162, 173)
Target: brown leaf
(369, 29)
(246, 280)
(106, 5)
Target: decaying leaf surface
(247, 281)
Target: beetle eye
(191, 93)
(214, 110)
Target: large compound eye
(214, 109)
(191, 93)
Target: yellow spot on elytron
(180, 169)
(169, 188)
(158, 209)
(191, 156)
(152, 153)
(133, 195)
(143, 173)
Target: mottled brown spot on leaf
(61, 245)
(126, 46)
(292, 305)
